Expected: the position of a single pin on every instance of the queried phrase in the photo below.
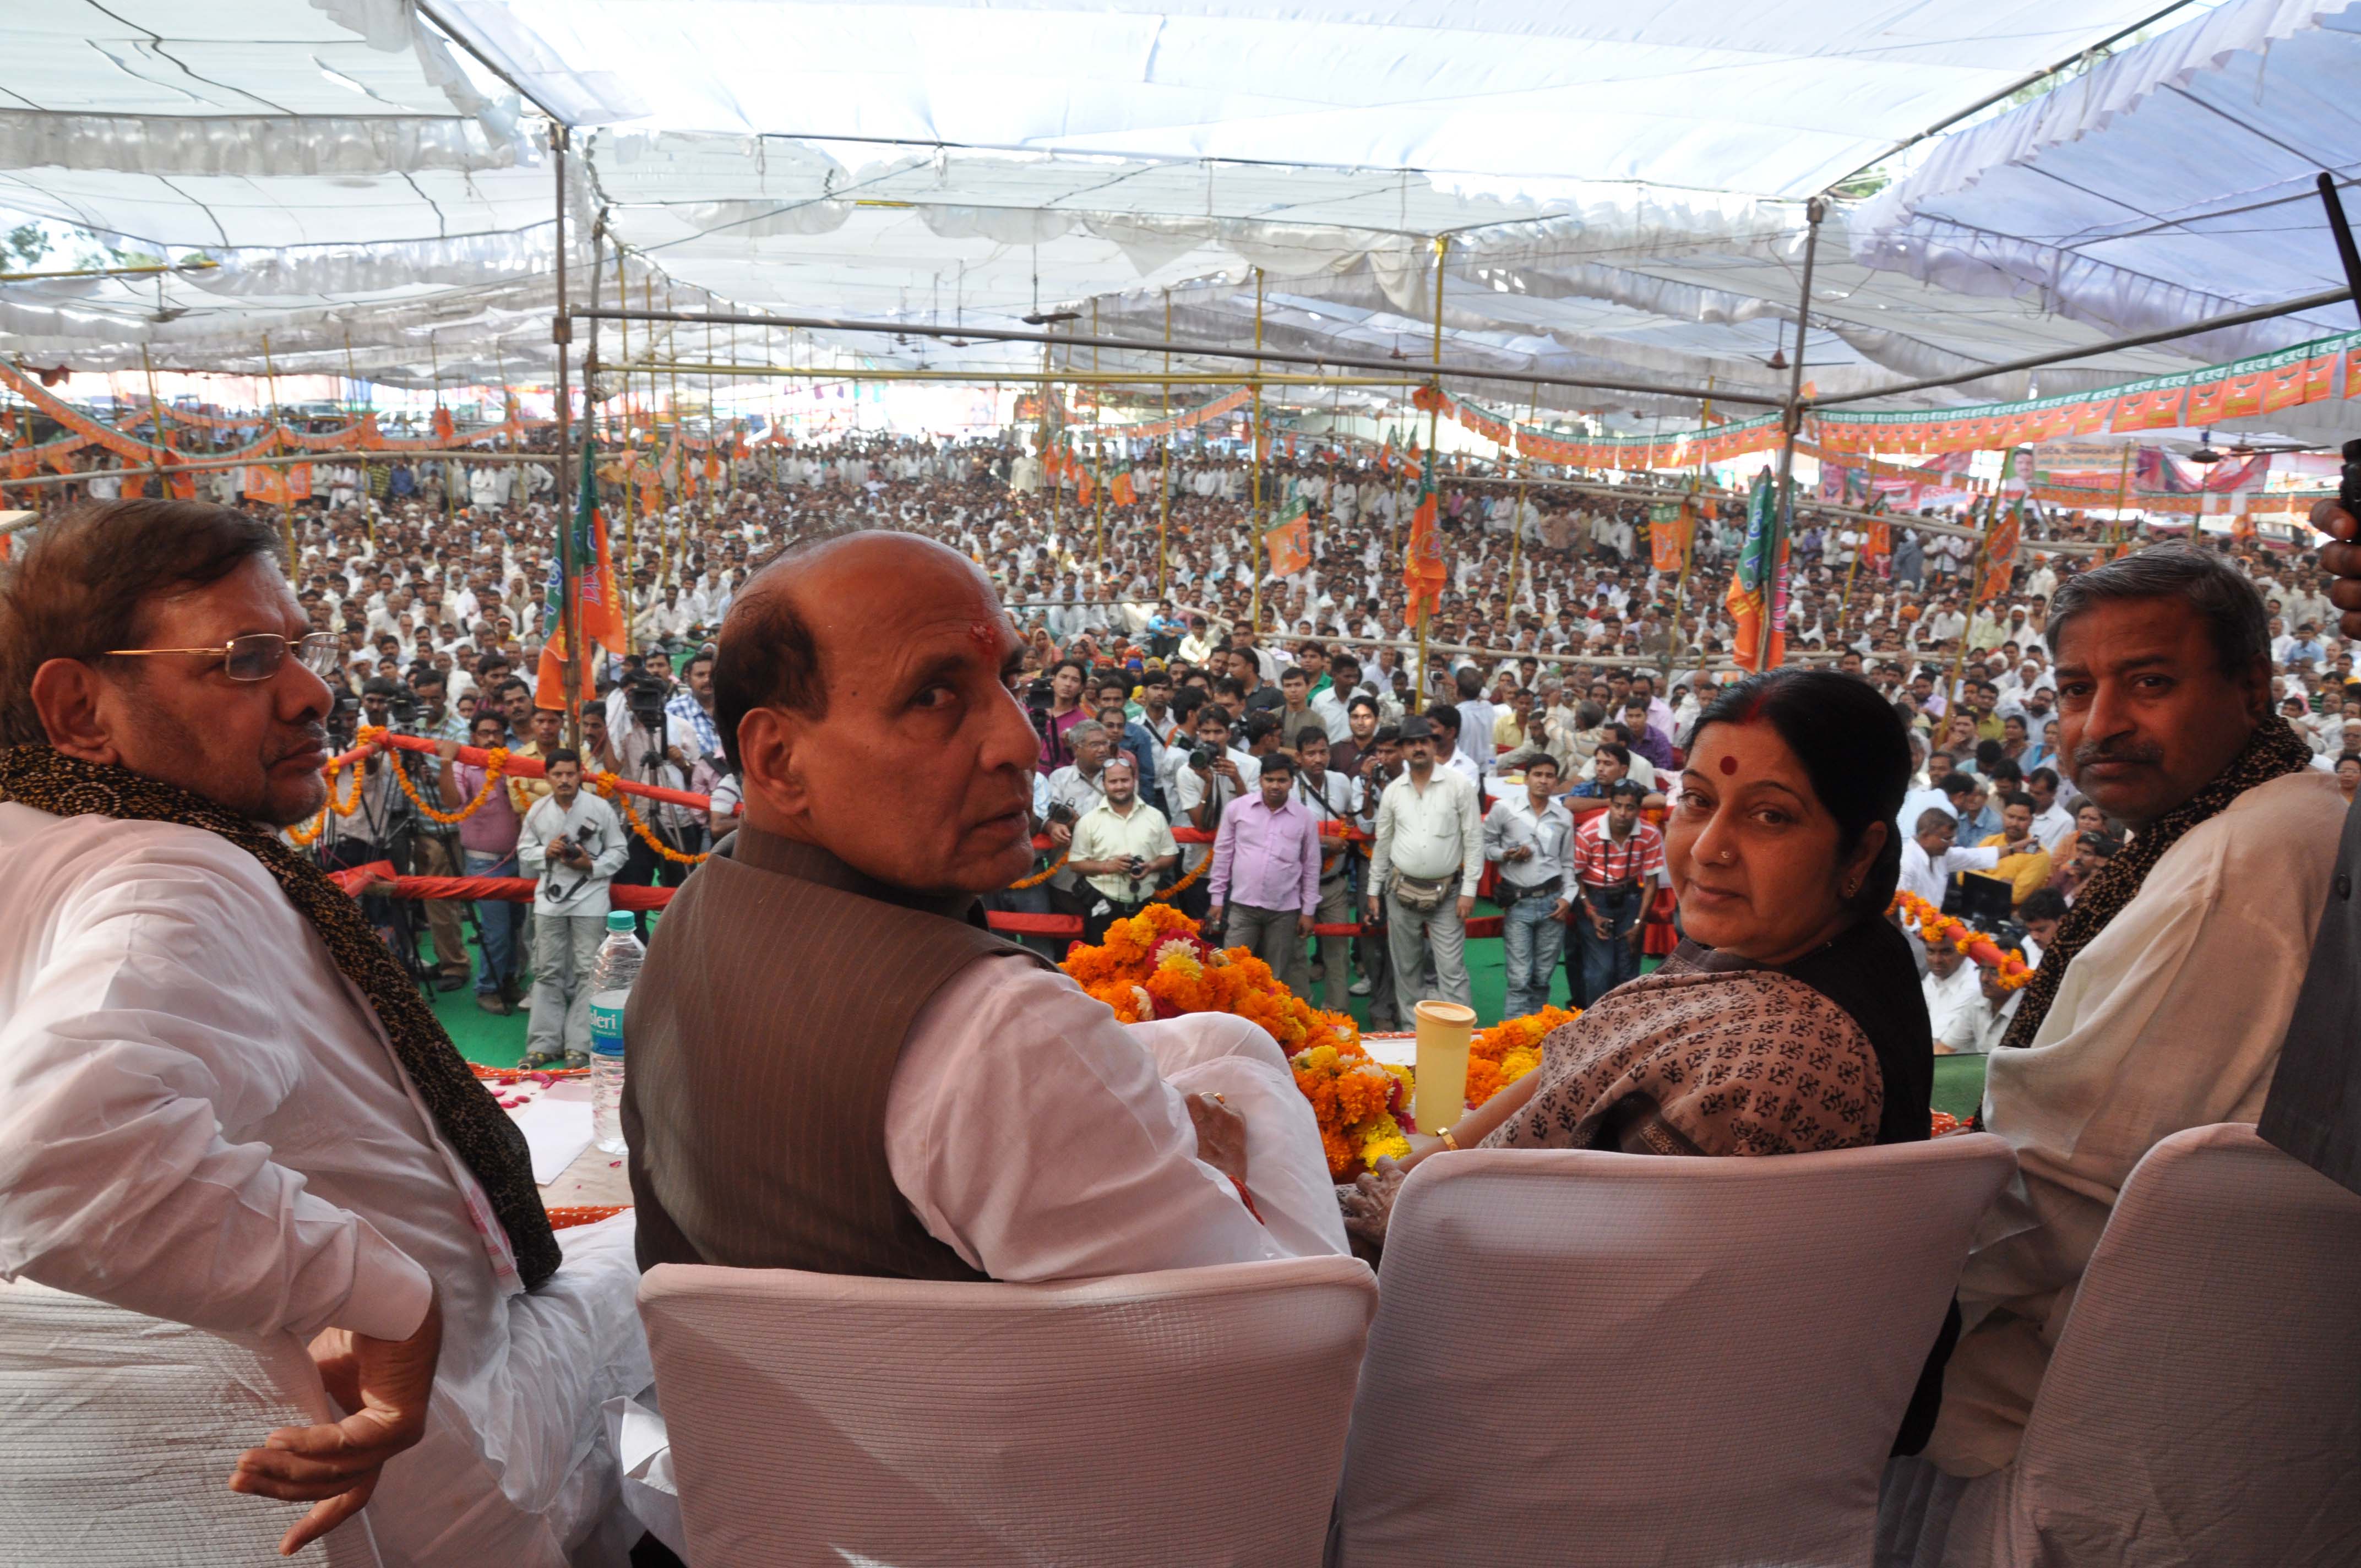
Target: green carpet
(499, 1042)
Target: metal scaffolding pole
(1149, 345)
(1783, 500)
(561, 332)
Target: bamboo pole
(561, 334)
(630, 475)
(1783, 501)
(1098, 455)
(286, 500)
(1433, 428)
(352, 385)
(1164, 472)
(1253, 511)
(155, 419)
(2123, 501)
(1517, 518)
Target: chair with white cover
(1191, 1416)
(1585, 1358)
(2203, 1407)
(121, 1430)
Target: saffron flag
(1422, 574)
(597, 609)
(1288, 546)
(1753, 588)
(1120, 489)
(1083, 489)
(1668, 535)
(1877, 541)
(2000, 552)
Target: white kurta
(2171, 1019)
(1040, 1139)
(202, 1120)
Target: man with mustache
(837, 1067)
(225, 1102)
(2163, 1001)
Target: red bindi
(1729, 764)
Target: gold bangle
(1448, 1141)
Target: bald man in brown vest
(836, 1066)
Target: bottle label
(606, 1028)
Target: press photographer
(572, 845)
(1122, 848)
(654, 748)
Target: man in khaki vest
(835, 1067)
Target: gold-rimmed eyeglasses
(256, 655)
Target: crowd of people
(1565, 669)
(818, 650)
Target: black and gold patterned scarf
(463, 1110)
(2274, 751)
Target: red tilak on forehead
(1728, 764)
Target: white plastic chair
(1603, 1358)
(2202, 1409)
(121, 1430)
(1196, 1416)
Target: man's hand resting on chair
(385, 1384)
(1221, 1137)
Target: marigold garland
(2013, 973)
(496, 761)
(1509, 1049)
(1186, 883)
(1038, 878)
(306, 834)
(1155, 965)
(605, 784)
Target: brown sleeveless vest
(763, 1036)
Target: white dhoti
(1287, 1170)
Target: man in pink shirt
(1268, 854)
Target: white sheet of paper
(556, 1129)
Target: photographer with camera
(649, 748)
(1212, 773)
(1055, 704)
(1123, 846)
(571, 844)
(434, 849)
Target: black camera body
(1201, 756)
(1061, 813)
(645, 698)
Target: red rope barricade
(525, 768)
(378, 876)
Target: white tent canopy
(1621, 185)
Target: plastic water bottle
(611, 987)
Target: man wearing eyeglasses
(224, 1102)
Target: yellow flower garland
(606, 784)
(496, 761)
(308, 834)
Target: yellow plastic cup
(1439, 1093)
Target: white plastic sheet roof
(2172, 182)
(1622, 180)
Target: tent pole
(1775, 608)
(1253, 511)
(561, 332)
(286, 491)
(1098, 451)
(1164, 472)
(1434, 428)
